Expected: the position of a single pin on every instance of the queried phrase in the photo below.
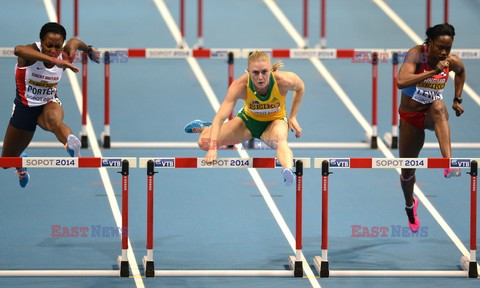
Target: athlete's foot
(452, 172)
(288, 176)
(413, 220)
(73, 146)
(196, 126)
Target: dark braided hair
(53, 27)
(439, 30)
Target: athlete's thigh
(233, 131)
(411, 140)
(52, 112)
(438, 105)
(276, 131)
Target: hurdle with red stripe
(230, 54)
(467, 262)
(295, 262)
(83, 162)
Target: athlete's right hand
(443, 64)
(61, 63)
(211, 155)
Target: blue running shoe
(196, 126)
(22, 173)
(73, 146)
(288, 176)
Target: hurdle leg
(470, 264)
(123, 259)
(373, 139)
(148, 264)
(295, 262)
(83, 133)
(106, 132)
(394, 139)
(321, 262)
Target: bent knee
(438, 109)
(51, 123)
(203, 143)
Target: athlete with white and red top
(38, 70)
(422, 79)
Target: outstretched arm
(234, 93)
(28, 54)
(75, 44)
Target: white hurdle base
(296, 270)
(388, 273)
(398, 273)
(59, 273)
(223, 273)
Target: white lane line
(382, 147)
(417, 40)
(77, 92)
(197, 70)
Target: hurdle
(323, 19)
(468, 264)
(124, 163)
(323, 27)
(182, 42)
(357, 56)
(295, 262)
(75, 15)
(429, 12)
(229, 55)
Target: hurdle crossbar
(295, 262)
(59, 273)
(468, 264)
(293, 145)
(194, 145)
(79, 162)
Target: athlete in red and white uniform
(422, 79)
(39, 68)
(37, 84)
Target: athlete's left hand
(294, 126)
(458, 108)
(94, 54)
